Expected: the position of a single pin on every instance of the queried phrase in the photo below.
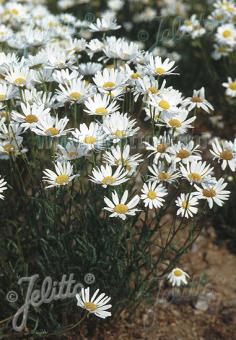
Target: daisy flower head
(118, 126)
(177, 121)
(117, 156)
(89, 68)
(70, 152)
(153, 194)
(92, 136)
(51, 126)
(168, 100)
(196, 171)
(105, 176)
(182, 152)
(225, 153)
(230, 87)
(108, 80)
(3, 187)
(104, 25)
(7, 91)
(187, 205)
(30, 115)
(148, 85)
(19, 76)
(198, 101)
(62, 175)
(226, 34)
(97, 304)
(178, 277)
(75, 91)
(159, 147)
(213, 192)
(162, 174)
(159, 67)
(120, 207)
(100, 105)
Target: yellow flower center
(62, 179)
(175, 123)
(8, 147)
(227, 155)
(178, 272)
(31, 119)
(160, 70)
(135, 75)
(196, 99)
(121, 208)
(222, 49)
(152, 195)
(229, 8)
(75, 95)
(161, 147)
(52, 131)
(185, 204)
(2, 96)
(109, 84)
(232, 85)
(90, 139)
(127, 165)
(108, 180)
(101, 110)
(227, 34)
(194, 176)
(209, 192)
(120, 133)
(90, 306)
(14, 11)
(72, 154)
(21, 81)
(164, 104)
(153, 89)
(183, 153)
(163, 176)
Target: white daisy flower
(51, 126)
(178, 277)
(197, 101)
(168, 100)
(89, 68)
(196, 171)
(92, 136)
(100, 105)
(8, 92)
(105, 176)
(3, 187)
(30, 115)
(108, 80)
(177, 120)
(75, 91)
(226, 34)
(187, 205)
(96, 305)
(70, 152)
(118, 126)
(153, 194)
(213, 193)
(119, 207)
(159, 147)
(64, 76)
(117, 156)
(19, 76)
(163, 174)
(159, 67)
(62, 175)
(182, 152)
(225, 152)
(230, 87)
(104, 25)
